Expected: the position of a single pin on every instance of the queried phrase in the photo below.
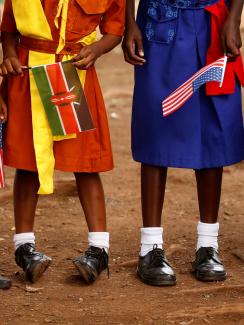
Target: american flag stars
(215, 74)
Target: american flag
(1, 156)
(212, 72)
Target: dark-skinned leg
(153, 182)
(207, 265)
(209, 182)
(91, 195)
(152, 267)
(26, 186)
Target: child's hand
(11, 66)
(133, 45)
(3, 110)
(231, 37)
(87, 56)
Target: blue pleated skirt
(208, 130)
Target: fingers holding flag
(3, 110)
(231, 38)
(87, 57)
(11, 66)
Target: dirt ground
(60, 297)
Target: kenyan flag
(63, 98)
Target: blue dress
(207, 131)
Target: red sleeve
(113, 21)
(8, 22)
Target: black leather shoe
(5, 283)
(33, 263)
(207, 265)
(154, 269)
(92, 263)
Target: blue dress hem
(188, 164)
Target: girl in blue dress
(168, 44)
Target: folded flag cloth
(63, 98)
(1, 157)
(212, 72)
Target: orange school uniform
(89, 151)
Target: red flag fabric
(219, 12)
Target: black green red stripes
(63, 98)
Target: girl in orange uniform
(66, 24)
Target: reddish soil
(60, 297)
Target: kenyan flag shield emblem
(63, 98)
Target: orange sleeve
(113, 21)
(8, 22)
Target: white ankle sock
(23, 238)
(151, 236)
(99, 239)
(207, 235)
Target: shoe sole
(37, 270)
(86, 272)
(210, 277)
(158, 283)
(6, 285)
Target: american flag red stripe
(187, 85)
(218, 63)
(2, 182)
(174, 101)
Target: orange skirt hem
(103, 164)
